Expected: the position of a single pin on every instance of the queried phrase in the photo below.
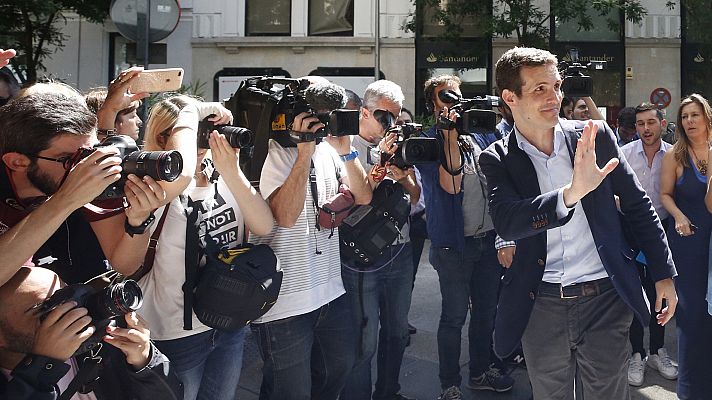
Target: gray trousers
(585, 336)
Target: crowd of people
(560, 237)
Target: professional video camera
(267, 106)
(103, 307)
(475, 115)
(159, 165)
(411, 148)
(239, 138)
(575, 83)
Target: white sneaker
(636, 370)
(663, 364)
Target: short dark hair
(432, 83)
(508, 67)
(29, 123)
(626, 117)
(325, 96)
(407, 111)
(643, 107)
(354, 98)
(96, 97)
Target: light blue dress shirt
(649, 176)
(571, 255)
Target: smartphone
(157, 80)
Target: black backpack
(370, 228)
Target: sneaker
(451, 393)
(663, 364)
(491, 379)
(636, 370)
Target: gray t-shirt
(475, 210)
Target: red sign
(661, 97)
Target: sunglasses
(385, 118)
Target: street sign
(130, 18)
(661, 97)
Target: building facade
(219, 42)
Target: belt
(481, 234)
(583, 289)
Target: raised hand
(144, 196)
(63, 330)
(587, 176)
(5, 56)
(133, 341)
(223, 155)
(91, 176)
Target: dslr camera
(239, 138)
(576, 83)
(410, 148)
(475, 115)
(103, 306)
(159, 165)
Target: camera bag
(335, 209)
(370, 228)
(234, 287)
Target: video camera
(475, 115)
(159, 165)
(103, 307)
(239, 138)
(267, 106)
(411, 148)
(575, 83)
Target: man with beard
(645, 156)
(43, 181)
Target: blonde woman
(207, 361)
(683, 186)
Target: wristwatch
(141, 229)
(349, 156)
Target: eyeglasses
(66, 161)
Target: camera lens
(116, 300)
(237, 137)
(159, 165)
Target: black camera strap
(314, 194)
(87, 374)
(192, 257)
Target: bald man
(36, 355)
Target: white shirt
(571, 255)
(310, 280)
(649, 176)
(163, 286)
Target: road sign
(130, 17)
(661, 97)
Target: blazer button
(540, 262)
(531, 295)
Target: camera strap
(150, 256)
(192, 256)
(86, 375)
(314, 194)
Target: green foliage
(520, 18)
(34, 29)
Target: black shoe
(411, 329)
(402, 397)
(493, 380)
(407, 343)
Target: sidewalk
(419, 372)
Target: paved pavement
(419, 372)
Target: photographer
(36, 355)
(41, 139)
(208, 361)
(116, 108)
(462, 251)
(382, 294)
(311, 308)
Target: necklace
(701, 164)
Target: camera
(103, 306)
(411, 148)
(239, 138)
(159, 165)
(576, 83)
(475, 115)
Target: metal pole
(377, 46)
(147, 27)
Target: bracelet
(349, 156)
(106, 132)
(141, 229)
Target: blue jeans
(307, 356)
(386, 298)
(208, 363)
(471, 277)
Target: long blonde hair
(161, 120)
(681, 148)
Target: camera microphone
(448, 96)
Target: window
(331, 17)
(268, 18)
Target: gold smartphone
(157, 80)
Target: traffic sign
(130, 17)
(661, 97)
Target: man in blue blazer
(573, 284)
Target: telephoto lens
(114, 301)
(237, 137)
(159, 165)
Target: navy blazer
(521, 212)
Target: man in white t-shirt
(384, 293)
(311, 317)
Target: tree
(522, 18)
(34, 29)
